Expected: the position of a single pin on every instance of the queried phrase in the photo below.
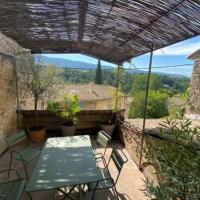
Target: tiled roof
(87, 91)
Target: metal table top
(64, 161)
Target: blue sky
(169, 56)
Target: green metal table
(64, 161)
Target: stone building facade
(193, 110)
(8, 119)
(8, 103)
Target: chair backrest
(119, 159)
(103, 139)
(16, 138)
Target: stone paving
(130, 185)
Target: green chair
(26, 154)
(12, 189)
(102, 140)
(119, 159)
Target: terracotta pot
(37, 133)
(68, 130)
(108, 128)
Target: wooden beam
(104, 21)
(82, 17)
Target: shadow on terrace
(129, 186)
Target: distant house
(193, 111)
(91, 97)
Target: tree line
(129, 83)
(162, 87)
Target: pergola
(111, 30)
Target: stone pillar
(193, 111)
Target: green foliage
(175, 84)
(176, 112)
(109, 77)
(98, 79)
(115, 94)
(178, 161)
(185, 94)
(140, 81)
(156, 107)
(130, 83)
(161, 88)
(37, 77)
(177, 108)
(66, 110)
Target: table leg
(80, 192)
(66, 195)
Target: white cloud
(183, 48)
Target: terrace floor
(129, 186)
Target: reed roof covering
(112, 30)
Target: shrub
(176, 112)
(178, 161)
(66, 110)
(156, 107)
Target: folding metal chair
(102, 140)
(26, 154)
(119, 159)
(12, 189)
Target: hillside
(62, 62)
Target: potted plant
(37, 78)
(66, 110)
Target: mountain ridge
(64, 62)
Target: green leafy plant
(66, 110)
(156, 106)
(177, 112)
(178, 161)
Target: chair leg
(94, 191)
(80, 192)
(25, 170)
(104, 162)
(29, 195)
(54, 194)
(93, 195)
(10, 164)
(117, 194)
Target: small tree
(98, 79)
(37, 78)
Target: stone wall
(8, 121)
(193, 110)
(88, 120)
(131, 137)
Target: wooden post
(145, 108)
